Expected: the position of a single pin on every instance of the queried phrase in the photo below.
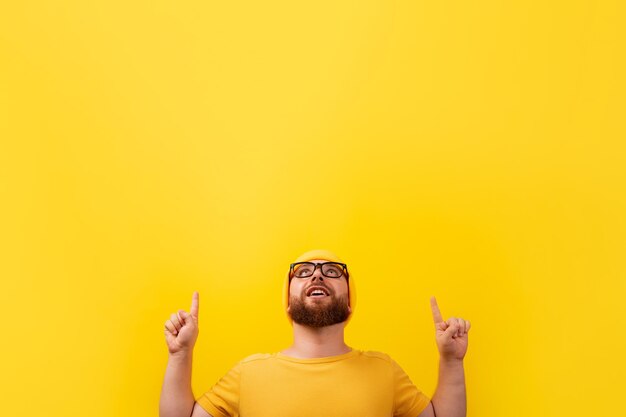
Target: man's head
(319, 291)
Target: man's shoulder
(373, 354)
(255, 357)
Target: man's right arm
(177, 398)
(181, 332)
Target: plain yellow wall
(469, 150)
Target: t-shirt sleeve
(222, 400)
(408, 400)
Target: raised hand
(451, 335)
(181, 330)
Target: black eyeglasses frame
(344, 267)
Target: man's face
(318, 311)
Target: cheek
(295, 289)
(340, 290)
(343, 287)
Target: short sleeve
(222, 400)
(408, 400)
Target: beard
(318, 314)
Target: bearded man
(318, 375)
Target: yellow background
(469, 150)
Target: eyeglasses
(329, 269)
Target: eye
(333, 271)
(302, 270)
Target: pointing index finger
(435, 308)
(195, 304)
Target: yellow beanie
(328, 256)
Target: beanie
(328, 256)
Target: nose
(317, 274)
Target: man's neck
(311, 342)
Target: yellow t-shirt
(354, 384)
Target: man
(318, 375)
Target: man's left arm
(449, 399)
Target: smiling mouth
(317, 292)
(315, 295)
